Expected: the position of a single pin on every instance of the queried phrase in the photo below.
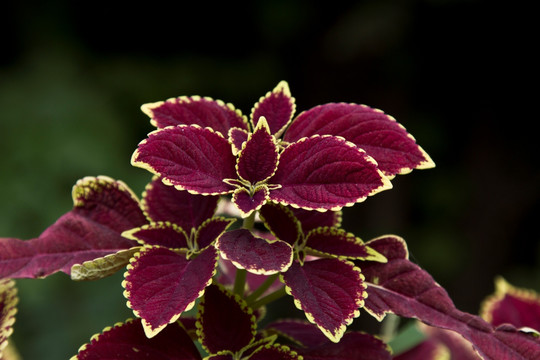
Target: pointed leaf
(248, 203)
(281, 221)
(255, 254)
(211, 229)
(8, 309)
(165, 203)
(103, 209)
(128, 341)
(277, 107)
(224, 321)
(161, 284)
(384, 139)
(189, 158)
(333, 242)
(511, 305)
(102, 267)
(353, 345)
(313, 219)
(259, 156)
(237, 138)
(195, 110)
(159, 233)
(403, 288)
(329, 291)
(325, 173)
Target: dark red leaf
(394, 149)
(128, 341)
(103, 209)
(259, 156)
(277, 107)
(403, 288)
(329, 291)
(300, 332)
(353, 345)
(189, 158)
(160, 233)
(281, 221)
(274, 352)
(255, 254)
(210, 230)
(224, 322)
(195, 110)
(161, 284)
(313, 219)
(165, 203)
(248, 203)
(427, 350)
(334, 242)
(511, 305)
(325, 173)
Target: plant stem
(268, 298)
(389, 327)
(262, 288)
(240, 278)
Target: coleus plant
(239, 213)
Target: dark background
(457, 74)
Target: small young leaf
(224, 322)
(237, 138)
(161, 284)
(210, 230)
(188, 157)
(325, 173)
(255, 254)
(8, 309)
(160, 233)
(329, 291)
(195, 110)
(128, 341)
(384, 139)
(248, 203)
(102, 267)
(165, 203)
(277, 107)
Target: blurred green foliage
(74, 76)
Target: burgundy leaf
(224, 321)
(255, 254)
(325, 173)
(259, 156)
(427, 350)
(274, 352)
(189, 158)
(161, 284)
(210, 230)
(403, 288)
(224, 356)
(512, 305)
(384, 139)
(8, 309)
(195, 110)
(329, 291)
(128, 341)
(237, 138)
(277, 107)
(300, 332)
(103, 209)
(334, 242)
(159, 233)
(253, 281)
(353, 345)
(248, 203)
(313, 219)
(165, 203)
(281, 221)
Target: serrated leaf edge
(8, 293)
(281, 87)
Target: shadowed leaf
(8, 309)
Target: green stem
(262, 288)
(268, 298)
(240, 282)
(249, 222)
(389, 327)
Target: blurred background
(457, 74)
